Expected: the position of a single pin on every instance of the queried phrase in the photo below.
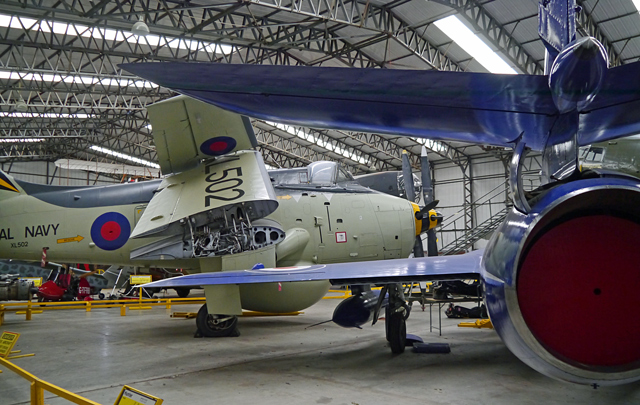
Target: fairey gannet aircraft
(565, 255)
(219, 209)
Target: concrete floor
(276, 361)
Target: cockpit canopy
(322, 173)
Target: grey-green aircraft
(621, 155)
(217, 209)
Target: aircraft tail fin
(556, 24)
(8, 186)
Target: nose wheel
(216, 325)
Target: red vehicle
(67, 287)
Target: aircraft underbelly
(282, 297)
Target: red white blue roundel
(110, 231)
(217, 146)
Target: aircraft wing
(479, 108)
(185, 131)
(454, 267)
(471, 107)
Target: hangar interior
(71, 116)
(64, 99)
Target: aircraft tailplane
(8, 186)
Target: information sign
(135, 280)
(132, 396)
(7, 341)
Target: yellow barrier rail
(346, 293)
(38, 387)
(30, 308)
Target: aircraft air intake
(574, 259)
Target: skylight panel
(110, 152)
(473, 45)
(110, 34)
(316, 140)
(21, 140)
(44, 115)
(86, 80)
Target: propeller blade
(432, 243)
(418, 247)
(422, 214)
(425, 177)
(407, 177)
(427, 193)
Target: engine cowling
(562, 281)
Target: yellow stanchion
(255, 313)
(123, 310)
(38, 387)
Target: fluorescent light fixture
(21, 140)
(435, 146)
(320, 142)
(473, 45)
(44, 115)
(108, 34)
(123, 156)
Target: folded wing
(185, 131)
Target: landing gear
(183, 292)
(216, 325)
(396, 314)
(397, 332)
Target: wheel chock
(431, 348)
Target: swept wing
(382, 271)
(472, 107)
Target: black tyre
(183, 292)
(216, 325)
(397, 332)
(387, 319)
(101, 296)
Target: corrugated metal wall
(46, 173)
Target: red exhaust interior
(579, 291)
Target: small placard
(7, 341)
(135, 280)
(37, 281)
(341, 237)
(132, 396)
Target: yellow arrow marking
(74, 239)
(284, 197)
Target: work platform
(276, 360)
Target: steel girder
(587, 26)
(84, 68)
